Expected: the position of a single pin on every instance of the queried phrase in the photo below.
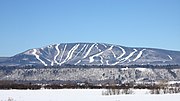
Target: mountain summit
(92, 54)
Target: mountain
(92, 54)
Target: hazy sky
(26, 24)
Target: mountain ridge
(93, 54)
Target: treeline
(5, 84)
(167, 90)
(90, 66)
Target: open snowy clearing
(81, 95)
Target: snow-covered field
(81, 95)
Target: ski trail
(58, 52)
(44, 51)
(130, 55)
(63, 53)
(91, 58)
(48, 59)
(52, 63)
(85, 49)
(78, 62)
(126, 58)
(98, 47)
(101, 60)
(104, 45)
(87, 53)
(73, 49)
(113, 54)
(139, 55)
(37, 57)
(107, 62)
(170, 57)
(114, 63)
(110, 49)
(80, 51)
(70, 53)
(124, 52)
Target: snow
(69, 55)
(170, 57)
(124, 52)
(58, 52)
(107, 62)
(101, 60)
(112, 51)
(139, 55)
(78, 62)
(130, 55)
(52, 63)
(37, 57)
(147, 70)
(111, 47)
(74, 48)
(126, 58)
(141, 91)
(125, 68)
(63, 53)
(85, 49)
(87, 53)
(173, 82)
(81, 95)
(80, 51)
(142, 69)
(104, 45)
(113, 54)
(91, 58)
(98, 47)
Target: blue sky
(26, 24)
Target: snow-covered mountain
(92, 54)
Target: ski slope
(94, 54)
(37, 57)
